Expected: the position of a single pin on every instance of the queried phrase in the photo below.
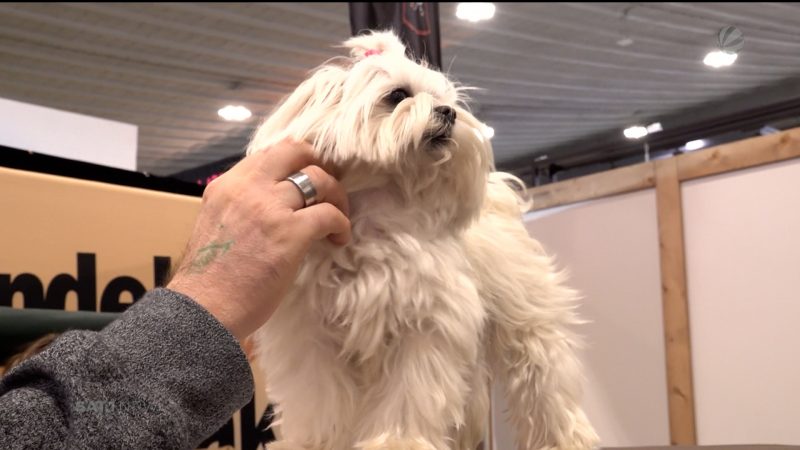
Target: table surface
(711, 447)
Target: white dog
(391, 341)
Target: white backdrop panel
(68, 135)
(610, 248)
(742, 233)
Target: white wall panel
(67, 135)
(610, 248)
(742, 234)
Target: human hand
(252, 233)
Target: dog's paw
(583, 437)
(386, 442)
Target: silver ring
(306, 187)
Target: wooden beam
(740, 155)
(720, 159)
(680, 393)
(612, 182)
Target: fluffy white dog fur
(391, 341)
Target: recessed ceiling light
(625, 42)
(475, 12)
(488, 132)
(654, 128)
(235, 113)
(635, 132)
(695, 144)
(719, 58)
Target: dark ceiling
(558, 85)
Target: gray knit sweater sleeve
(165, 375)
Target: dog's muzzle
(446, 114)
(445, 119)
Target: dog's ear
(300, 116)
(375, 43)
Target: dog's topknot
(374, 42)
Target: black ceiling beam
(740, 112)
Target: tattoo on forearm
(208, 254)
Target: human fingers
(327, 190)
(323, 220)
(277, 162)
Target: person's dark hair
(31, 349)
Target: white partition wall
(698, 255)
(68, 135)
(742, 236)
(610, 248)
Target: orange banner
(72, 244)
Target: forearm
(165, 375)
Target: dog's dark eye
(397, 96)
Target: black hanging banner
(417, 24)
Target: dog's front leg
(420, 396)
(532, 346)
(533, 351)
(542, 381)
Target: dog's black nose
(447, 114)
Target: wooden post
(680, 394)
